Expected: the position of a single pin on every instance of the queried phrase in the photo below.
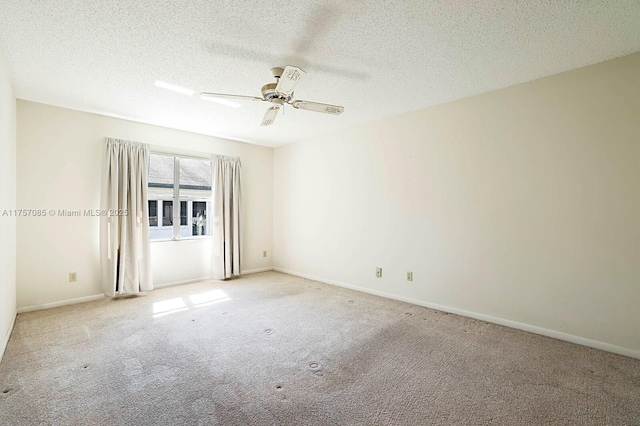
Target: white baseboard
(60, 303)
(255, 271)
(5, 341)
(94, 297)
(596, 344)
(100, 296)
(195, 280)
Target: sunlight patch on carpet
(179, 304)
(208, 298)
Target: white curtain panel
(227, 217)
(124, 224)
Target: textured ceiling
(376, 58)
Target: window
(167, 213)
(183, 213)
(153, 213)
(199, 217)
(179, 197)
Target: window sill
(166, 240)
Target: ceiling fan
(280, 94)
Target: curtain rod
(179, 152)
(156, 149)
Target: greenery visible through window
(180, 191)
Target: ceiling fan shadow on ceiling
(279, 94)
(307, 50)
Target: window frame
(176, 202)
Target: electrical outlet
(73, 277)
(264, 253)
(409, 276)
(379, 272)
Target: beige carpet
(273, 349)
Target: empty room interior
(320, 212)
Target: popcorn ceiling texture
(377, 58)
(283, 350)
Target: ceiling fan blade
(318, 107)
(270, 115)
(225, 96)
(289, 80)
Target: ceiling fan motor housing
(269, 94)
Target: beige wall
(7, 202)
(59, 167)
(520, 205)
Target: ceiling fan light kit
(280, 93)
